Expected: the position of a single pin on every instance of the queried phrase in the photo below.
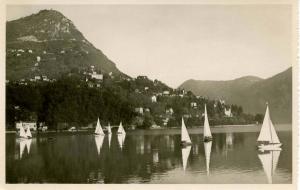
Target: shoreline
(193, 128)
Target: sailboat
(108, 129)
(269, 161)
(207, 151)
(99, 142)
(206, 129)
(268, 138)
(185, 138)
(121, 129)
(185, 151)
(23, 134)
(98, 130)
(28, 133)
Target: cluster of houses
(31, 126)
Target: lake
(149, 156)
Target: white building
(139, 110)
(193, 104)
(228, 112)
(166, 93)
(25, 125)
(38, 58)
(37, 77)
(170, 111)
(153, 99)
(97, 76)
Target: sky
(174, 43)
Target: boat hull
(207, 139)
(185, 143)
(98, 134)
(269, 146)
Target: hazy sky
(174, 43)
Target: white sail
(207, 151)
(109, 129)
(274, 137)
(267, 132)
(98, 129)
(99, 142)
(121, 139)
(28, 144)
(206, 130)
(121, 129)
(22, 147)
(185, 156)
(22, 132)
(184, 133)
(28, 133)
(269, 162)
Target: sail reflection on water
(185, 151)
(99, 142)
(24, 144)
(121, 140)
(207, 151)
(269, 161)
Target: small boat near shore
(98, 130)
(25, 134)
(121, 129)
(185, 138)
(206, 129)
(268, 139)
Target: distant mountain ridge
(251, 93)
(48, 43)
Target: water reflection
(185, 151)
(269, 161)
(121, 140)
(146, 158)
(99, 142)
(109, 139)
(24, 144)
(207, 151)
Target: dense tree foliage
(71, 101)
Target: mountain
(251, 93)
(48, 43)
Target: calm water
(148, 157)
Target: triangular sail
(98, 129)
(99, 142)
(206, 130)
(109, 129)
(266, 161)
(121, 129)
(185, 156)
(22, 132)
(184, 133)
(207, 151)
(265, 133)
(274, 136)
(28, 133)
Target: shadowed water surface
(149, 157)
